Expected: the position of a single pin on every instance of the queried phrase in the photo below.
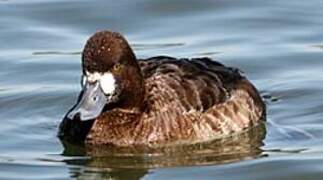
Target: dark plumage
(163, 100)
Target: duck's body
(168, 101)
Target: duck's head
(111, 77)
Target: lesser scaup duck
(156, 101)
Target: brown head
(111, 77)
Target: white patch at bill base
(106, 80)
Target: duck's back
(195, 100)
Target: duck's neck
(133, 89)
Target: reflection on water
(55, 53)
(137, 47)
(135, 162)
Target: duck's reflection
(133, 163)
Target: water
(278, 44)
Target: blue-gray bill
(91, 103)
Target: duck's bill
(90, 103)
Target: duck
(157, 101)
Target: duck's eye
(107, 83)
(117, 67)
(83, 80)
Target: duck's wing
(195, 84)
(195, 100)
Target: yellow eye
(117, 67)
